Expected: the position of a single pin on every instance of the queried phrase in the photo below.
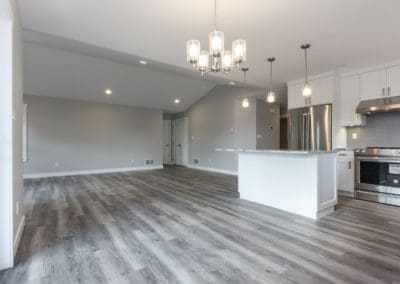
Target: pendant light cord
(305, 58)
(270, 77)
(215, 15)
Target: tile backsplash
(382, 130)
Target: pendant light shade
(245, 101)
(271, 96)
(192, 51)
(307, 91)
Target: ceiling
(343, 33)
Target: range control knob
(363, 151)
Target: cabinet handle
(349, 165)
(383, 92)
(389, 91)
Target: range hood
(379, 105)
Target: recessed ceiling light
(177, 101)
(143, 62)
(231, 83)
(108, 92)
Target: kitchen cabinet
(322, 93)
(393, 81)
(373, 85)
(350, 98)
(345, 173)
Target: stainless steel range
(377, 175)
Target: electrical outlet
(56, 164)
(354, 135)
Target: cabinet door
(295, 96)
(342, 178)
(322, 91)
(373, 85)
(350, 98)
(393, 81)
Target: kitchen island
(299, 182)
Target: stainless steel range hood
(379, 105)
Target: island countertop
(285, 152)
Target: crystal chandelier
(216, 59)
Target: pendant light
(271, 96)
(245, 101)
(307, 88)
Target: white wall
(218, 121)
(11, 192)
(68, 136)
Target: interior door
(180, 133)
(167, 142)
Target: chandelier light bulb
(227, 61)
(239, 51)
(216, 43)
(245, 103)
(307, 90)
(192, 51)
(271, 98)
(204, 61)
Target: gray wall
(268, 125)
(382, 129)
(84, 136)
(218, 121)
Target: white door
(393, 81)
(180, 132)
(373, 85)
(167, 142)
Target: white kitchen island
(299, 182)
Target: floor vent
(149, 162)
(195, 161)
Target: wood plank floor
(180, 225)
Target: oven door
(380, 174)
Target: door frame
(185, 152)
(169, 142)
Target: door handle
(179, 145)
(383, 92)
(389, 91)
(349, 165)
(166, 145)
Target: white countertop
(287, 152)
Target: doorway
(180, 133)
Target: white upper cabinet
(393, 81)
(373, 85)
(322, 93)
(350, 98)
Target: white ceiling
(353, 33)
(78, 76)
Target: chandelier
(216, 59)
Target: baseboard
(19, 234)
(90, 172)
(221, 171)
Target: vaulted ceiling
(343, 33)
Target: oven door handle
(379, 159)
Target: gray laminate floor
(181, 225)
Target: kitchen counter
(299, 182)
(288, 152)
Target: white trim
(221, 171)
(311, 78)
(18, 236)
(358, 71)
(89, 172)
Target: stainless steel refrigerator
(310, 128)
